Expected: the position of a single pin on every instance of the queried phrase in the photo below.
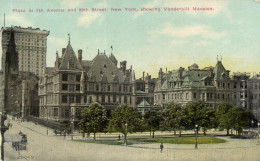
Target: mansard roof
(69, 56)
(112, 58)
(102, 66)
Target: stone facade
(212, 85)
(30, 44)
(73, 84)
(254, 92)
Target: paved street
(55, 148)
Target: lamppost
(72, 127)
(258, 124)
(196, 143)
(252, 122)
(125, 134)
(47, 123)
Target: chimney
(63, 51)
(180, 72)
(80, 55)
(123, 66)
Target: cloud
(17, 20)
(87, 18)
(179, 42)
(189, 31)
(73, 3)
(202, 43)
(57, 41)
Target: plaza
(42, 147)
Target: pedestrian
(161, 147)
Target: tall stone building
(73, 84)
(30, 44)
(212, 85)
(254, 92)
(241, 90)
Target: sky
(148, 40)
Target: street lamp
(125, 134)
(252, 122)
(196, 143)
(258, 124)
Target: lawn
(181, 140)
(162, 139)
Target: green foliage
(122, 115)
(229, 116)
(171, 117)
(93, 119)
(152, 120)
(182, 140)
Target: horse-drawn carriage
(19, 142)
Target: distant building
(30, 44)
(212, 85)
(241, 90)
(254, 89)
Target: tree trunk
(150, 131)
(174, 131)
(204, 131)
(95, 136)
(227, 131)
(180, 133)
(153, 134)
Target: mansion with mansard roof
(73, 84)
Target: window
(55, 112)
(71, 78)
(108, 88)
(90, 99)
(103, 98)
(194, 95)
(125, 99)
(187, 96)
(114, 98)
(164, 96)
(71, 99)
(78, 78)
(97, 87)
(77, 87)
(64, 87)
(64, 99)
(78, 99)
(119, 88)
(109, 99)
(85, 99)
(71, 87)
(64, 77)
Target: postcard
(121, 80)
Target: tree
(224, 116)
(152, 120)
(93, 119)
(123, 115)
(241, 118)
(202, 115)
(173, 117)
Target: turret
(80, 56)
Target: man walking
(161, 147)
